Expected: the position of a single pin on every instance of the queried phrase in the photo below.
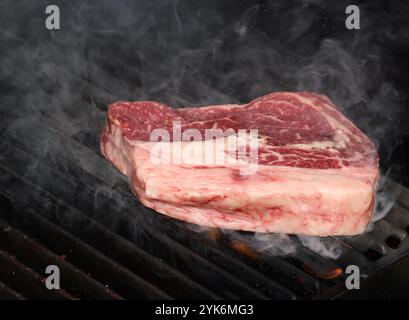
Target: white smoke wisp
(386, 196)
(325, 247)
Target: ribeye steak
(316, 171)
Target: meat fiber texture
(315, 173)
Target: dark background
(188, 53)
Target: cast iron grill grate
(68, 206)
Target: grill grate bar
(351, 255)
(7, 293)
(399, 217)
(384, 230)
(26, 281)
(404, 198)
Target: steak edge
(316, 172)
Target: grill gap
(372, 254)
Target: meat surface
(307, 170)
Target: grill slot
(393, 242)
(389, 234)
(373, 255)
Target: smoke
(186, 53)
(387, 194)
(324, 247)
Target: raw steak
(316, 171)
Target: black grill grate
(68, 206)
